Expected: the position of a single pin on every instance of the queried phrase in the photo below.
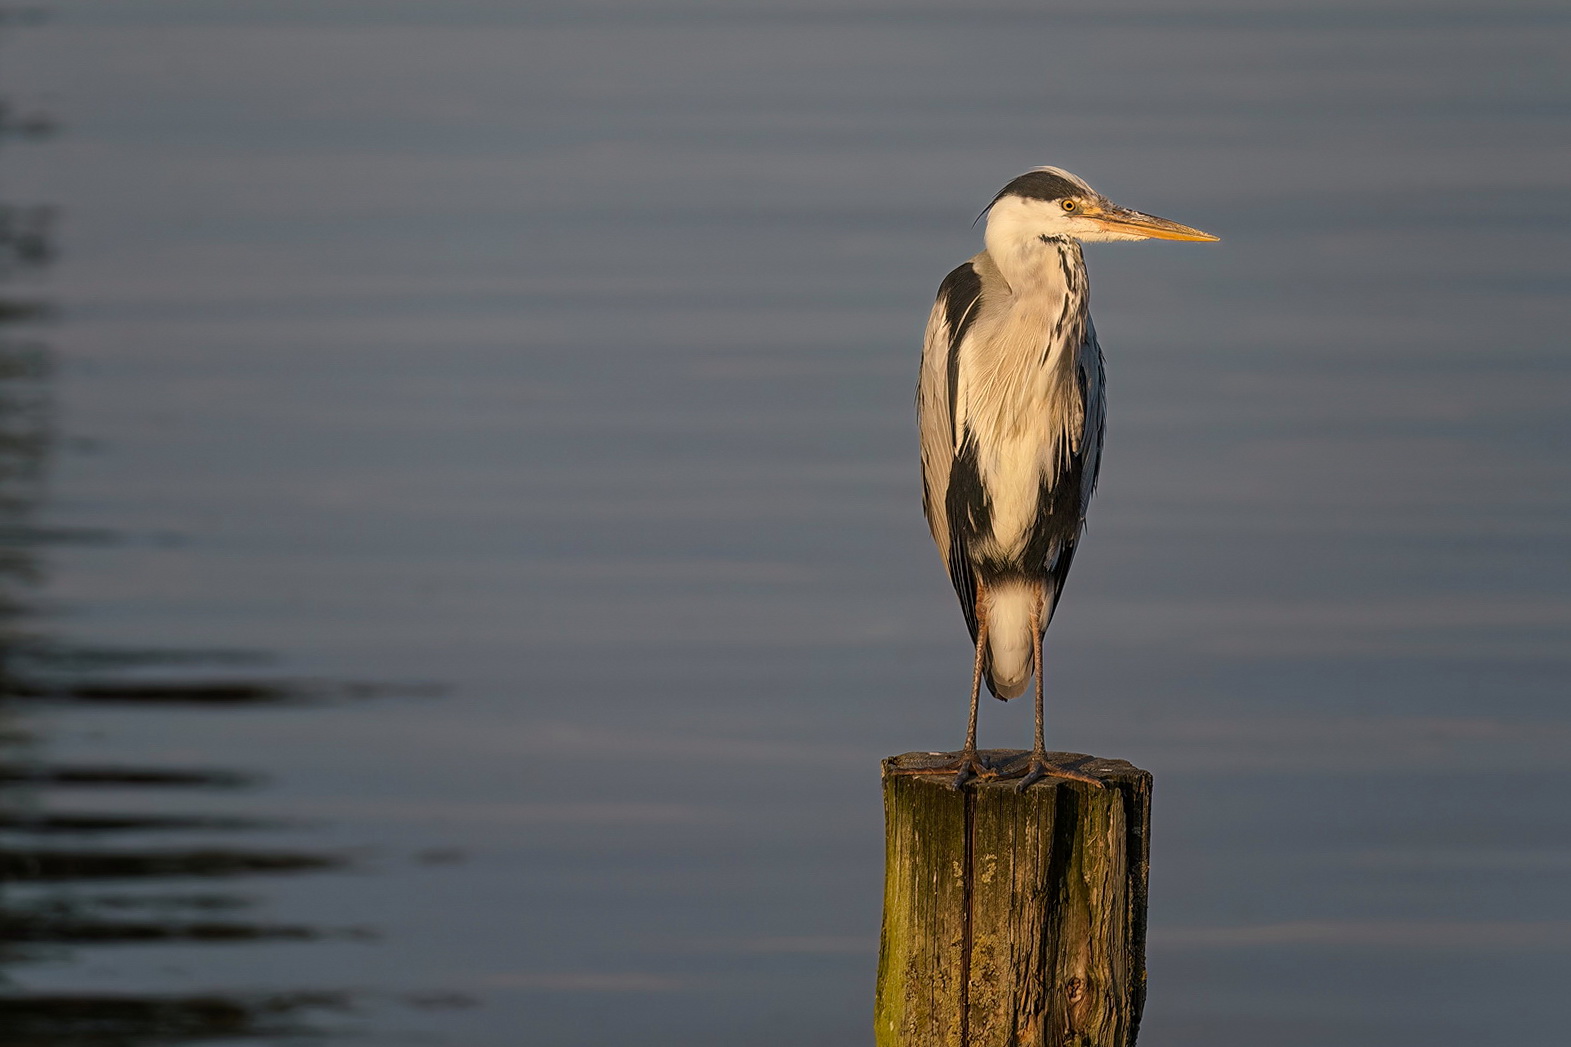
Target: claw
(970, 766)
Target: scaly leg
(970, 764)
(1039, 768)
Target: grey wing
(1085, 463)
(938, 427)
(1093, 390)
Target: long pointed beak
(1134, 223)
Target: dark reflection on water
(43, 804)
(115, 1020)
(74, 870)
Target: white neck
(1038, 261)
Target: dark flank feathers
(959, 292)
(1062, 505)
(969, 512)
(1051, 546)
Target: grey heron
(1010, 409)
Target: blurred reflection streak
(60, 921)
(123, 776)
(123, 1021)
(26, 233)
(87, 824)
(62, 885)
(21, 866)
(224, 692)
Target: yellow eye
(1070, 205)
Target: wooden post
(1013, 919)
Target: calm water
(463, 552)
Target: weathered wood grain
(1013, 919)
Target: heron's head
(1050, 203)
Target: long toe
(964, 767)
(970, 765)
(1032, 776)
(1040, 768)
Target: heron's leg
(1039, 767)
(1038, 634)
(970, 764)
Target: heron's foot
(1040, 768)
(970, 765)
(967, 765)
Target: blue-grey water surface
(466, 559)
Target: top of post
(1011, 764)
